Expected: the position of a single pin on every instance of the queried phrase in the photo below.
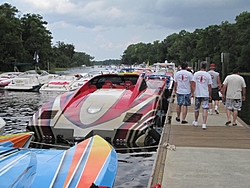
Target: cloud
(104, 28)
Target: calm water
(134, 169)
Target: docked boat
(162, 74)
(64, 83)
(30, 81)
(2, 125)
(91, 163)
(60, 83)
(122, 108)
(7, 77)
(18, 140)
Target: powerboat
(7, 77)
(18, 140)
(122, 108)
(162, 74)
(31, 80)
(60, 83)
(91, 163)
(64, 83)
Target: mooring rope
(165, 145)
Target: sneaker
(195, 123)
(184, 122)
(210, 112)
(204, 126)
(216, 111)
(177, 119)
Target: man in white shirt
(216, 86)
(235, 88)
(202, 82)
(184, 90)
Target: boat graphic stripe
(91, 171)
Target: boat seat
(119, 87)
(128, 84)
(108, 84)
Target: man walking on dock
(216, 86)
(203, 89)
(184, 90)
(235, 88)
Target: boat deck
(215, 157)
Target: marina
(147, 167)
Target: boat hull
(92, 161)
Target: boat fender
(155, 135)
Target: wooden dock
(216, 157)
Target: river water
(16, 108)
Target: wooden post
(222, 66)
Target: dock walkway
(216, 157)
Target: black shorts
(215, 94)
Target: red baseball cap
(212, 65)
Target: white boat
(2, 125)
(64, 83)
(7, 77)
(30, 81)
(60, 83)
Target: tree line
(205, 44)
(22, 35)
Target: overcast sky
(105, 28)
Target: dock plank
(226, 140)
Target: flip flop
(227, 123)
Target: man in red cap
(216, 86)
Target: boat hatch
(48, 114)
(94, 108)
(132, 117)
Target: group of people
(204, 88)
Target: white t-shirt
(202, 79)
(234, 83)
(183, 79)
(214, 76)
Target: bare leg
(235, 114)
(184, 113)
(178, 111)
(204, 116)
(196, 115)
(228, 112)
(216, 103)
(210, 105)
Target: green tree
(37, 38)
(11, 48)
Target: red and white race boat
(122, 108)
